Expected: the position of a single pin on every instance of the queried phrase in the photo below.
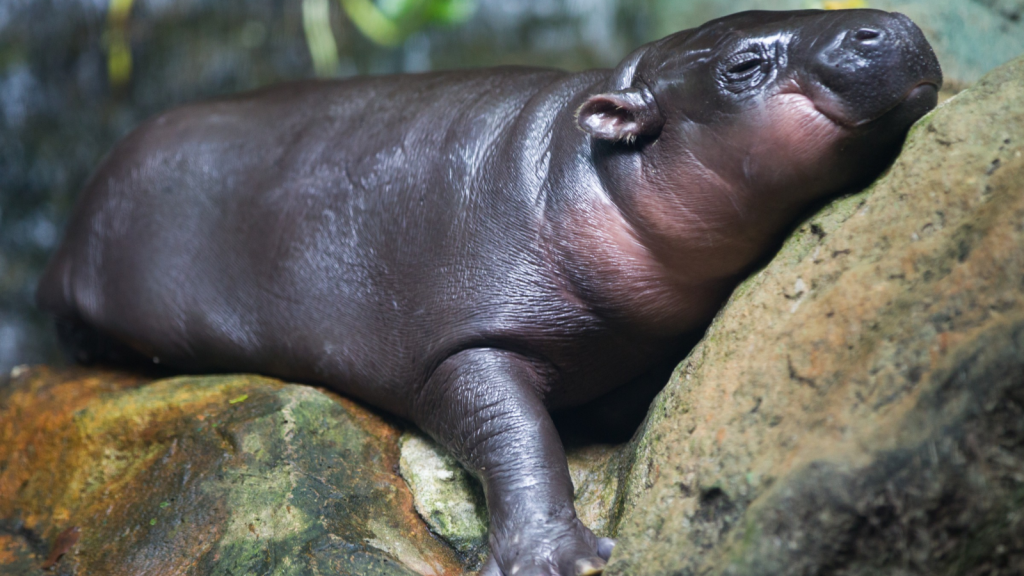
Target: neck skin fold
(642, 256)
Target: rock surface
(214, 475)
(234, 475)
(445, 495)
(856, 408)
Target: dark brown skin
(469, 250)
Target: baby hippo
(469, 250)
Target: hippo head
(782, 106)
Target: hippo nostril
(866, 35)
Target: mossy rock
(203, 475)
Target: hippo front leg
(484, 405)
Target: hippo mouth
(919, 98)
(803, 118)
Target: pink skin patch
(798, 123)
(797, 136)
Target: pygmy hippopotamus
(469, 250)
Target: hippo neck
(700, 224)
(660, 252)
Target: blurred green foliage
(389, 22)
(119, 53)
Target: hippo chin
(469, 250)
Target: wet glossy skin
(469, 250)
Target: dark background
(75, 75)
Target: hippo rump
(469, 250)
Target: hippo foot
(569, 550)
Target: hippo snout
(868, 64)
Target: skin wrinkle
(713, 180)
(684, 222)
(483, 149)
(506, 422)
(619, 246)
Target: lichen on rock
(446, 496)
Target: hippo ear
(620, 115)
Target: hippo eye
(745, 70)
(742, 68)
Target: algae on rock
(203, 475)
(446, 496)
